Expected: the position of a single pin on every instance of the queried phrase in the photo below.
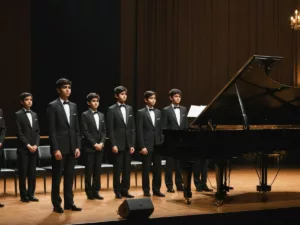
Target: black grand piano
(251, 114)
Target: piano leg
(221, 170)
(187, 179)
(263, 187)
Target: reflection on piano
(251, 114)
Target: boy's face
(122, 97)
(64, 91)
(94, 104)
(176, 99)
(150, 101)
(27, 102)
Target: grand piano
(251, 114)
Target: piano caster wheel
(218, 203)
(188, 201)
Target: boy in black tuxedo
(2, 137)
(94, 133)
(149, 133)
(174, 118)
(28, 134)
(64, 134)
(121, 131)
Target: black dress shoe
(147, 194)
(73, 208)
(170, 190)
(90, 198)
(25, 199)
(58, 209)
(33, 199)
(158, 194)
(127, 195)
(118, 196)
(204, 188)
(1, 205)
(97, 196)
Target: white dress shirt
(67, 109)
(152, 115)
(29, 116)
(96, 117)
(123, 111)
(177, 113)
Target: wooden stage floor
(285, 193)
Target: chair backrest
(44, 152)
(10, 157)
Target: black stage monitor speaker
(136, 208)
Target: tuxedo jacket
(90, 132)
(120, 134)
(170, 120)
(148, 134)
(63, 136)
(26, 133)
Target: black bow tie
(151, 109)
(176, 107)
(28, 111)
(122, 105)
(95, 112)
(66, 103)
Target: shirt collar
(149, 107)
(120, 103)
(62, 101)
(93, 111)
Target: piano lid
(251, 97)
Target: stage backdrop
(198, 45)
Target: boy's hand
(57, 155)
(131, 151)
(115, 149)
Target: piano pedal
(263, 188)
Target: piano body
(251, 114)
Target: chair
(11, 158)
(45, 161)
(136, 165)
(8, 173)
(79, 170)
(106, 167)
(44, 157)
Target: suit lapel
(72, 112)
(92, 118)
(118, 109)
(27, 119)
(148, 115)
(62, 110)
(156, 117)
(127, 114)
(173, 114)
(181, 118)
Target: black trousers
(65, 167)
(26, 168)
(200, 168)
(156, 179)
(170, 163)
(93, 162)
(122, 161)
